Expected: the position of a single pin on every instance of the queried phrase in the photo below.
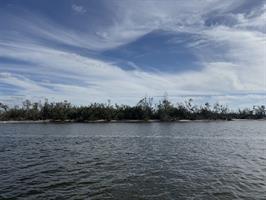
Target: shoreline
(119, 121)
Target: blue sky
(86, 51)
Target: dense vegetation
(144, 110)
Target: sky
(88, 51)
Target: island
(144, 111)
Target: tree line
(144, 110)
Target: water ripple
(125, 161)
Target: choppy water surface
(197, 160)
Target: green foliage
(144, 110)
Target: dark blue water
(196, 160)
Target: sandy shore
(69, 121)
(117, 121)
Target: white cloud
(102, 81)
(79, 9)
(241, 46)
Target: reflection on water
(215, 160)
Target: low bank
(117, 121)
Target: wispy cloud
(60, 62)
(78, 9)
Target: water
(197, 160)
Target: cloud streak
(79, 9)
(60, 62)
